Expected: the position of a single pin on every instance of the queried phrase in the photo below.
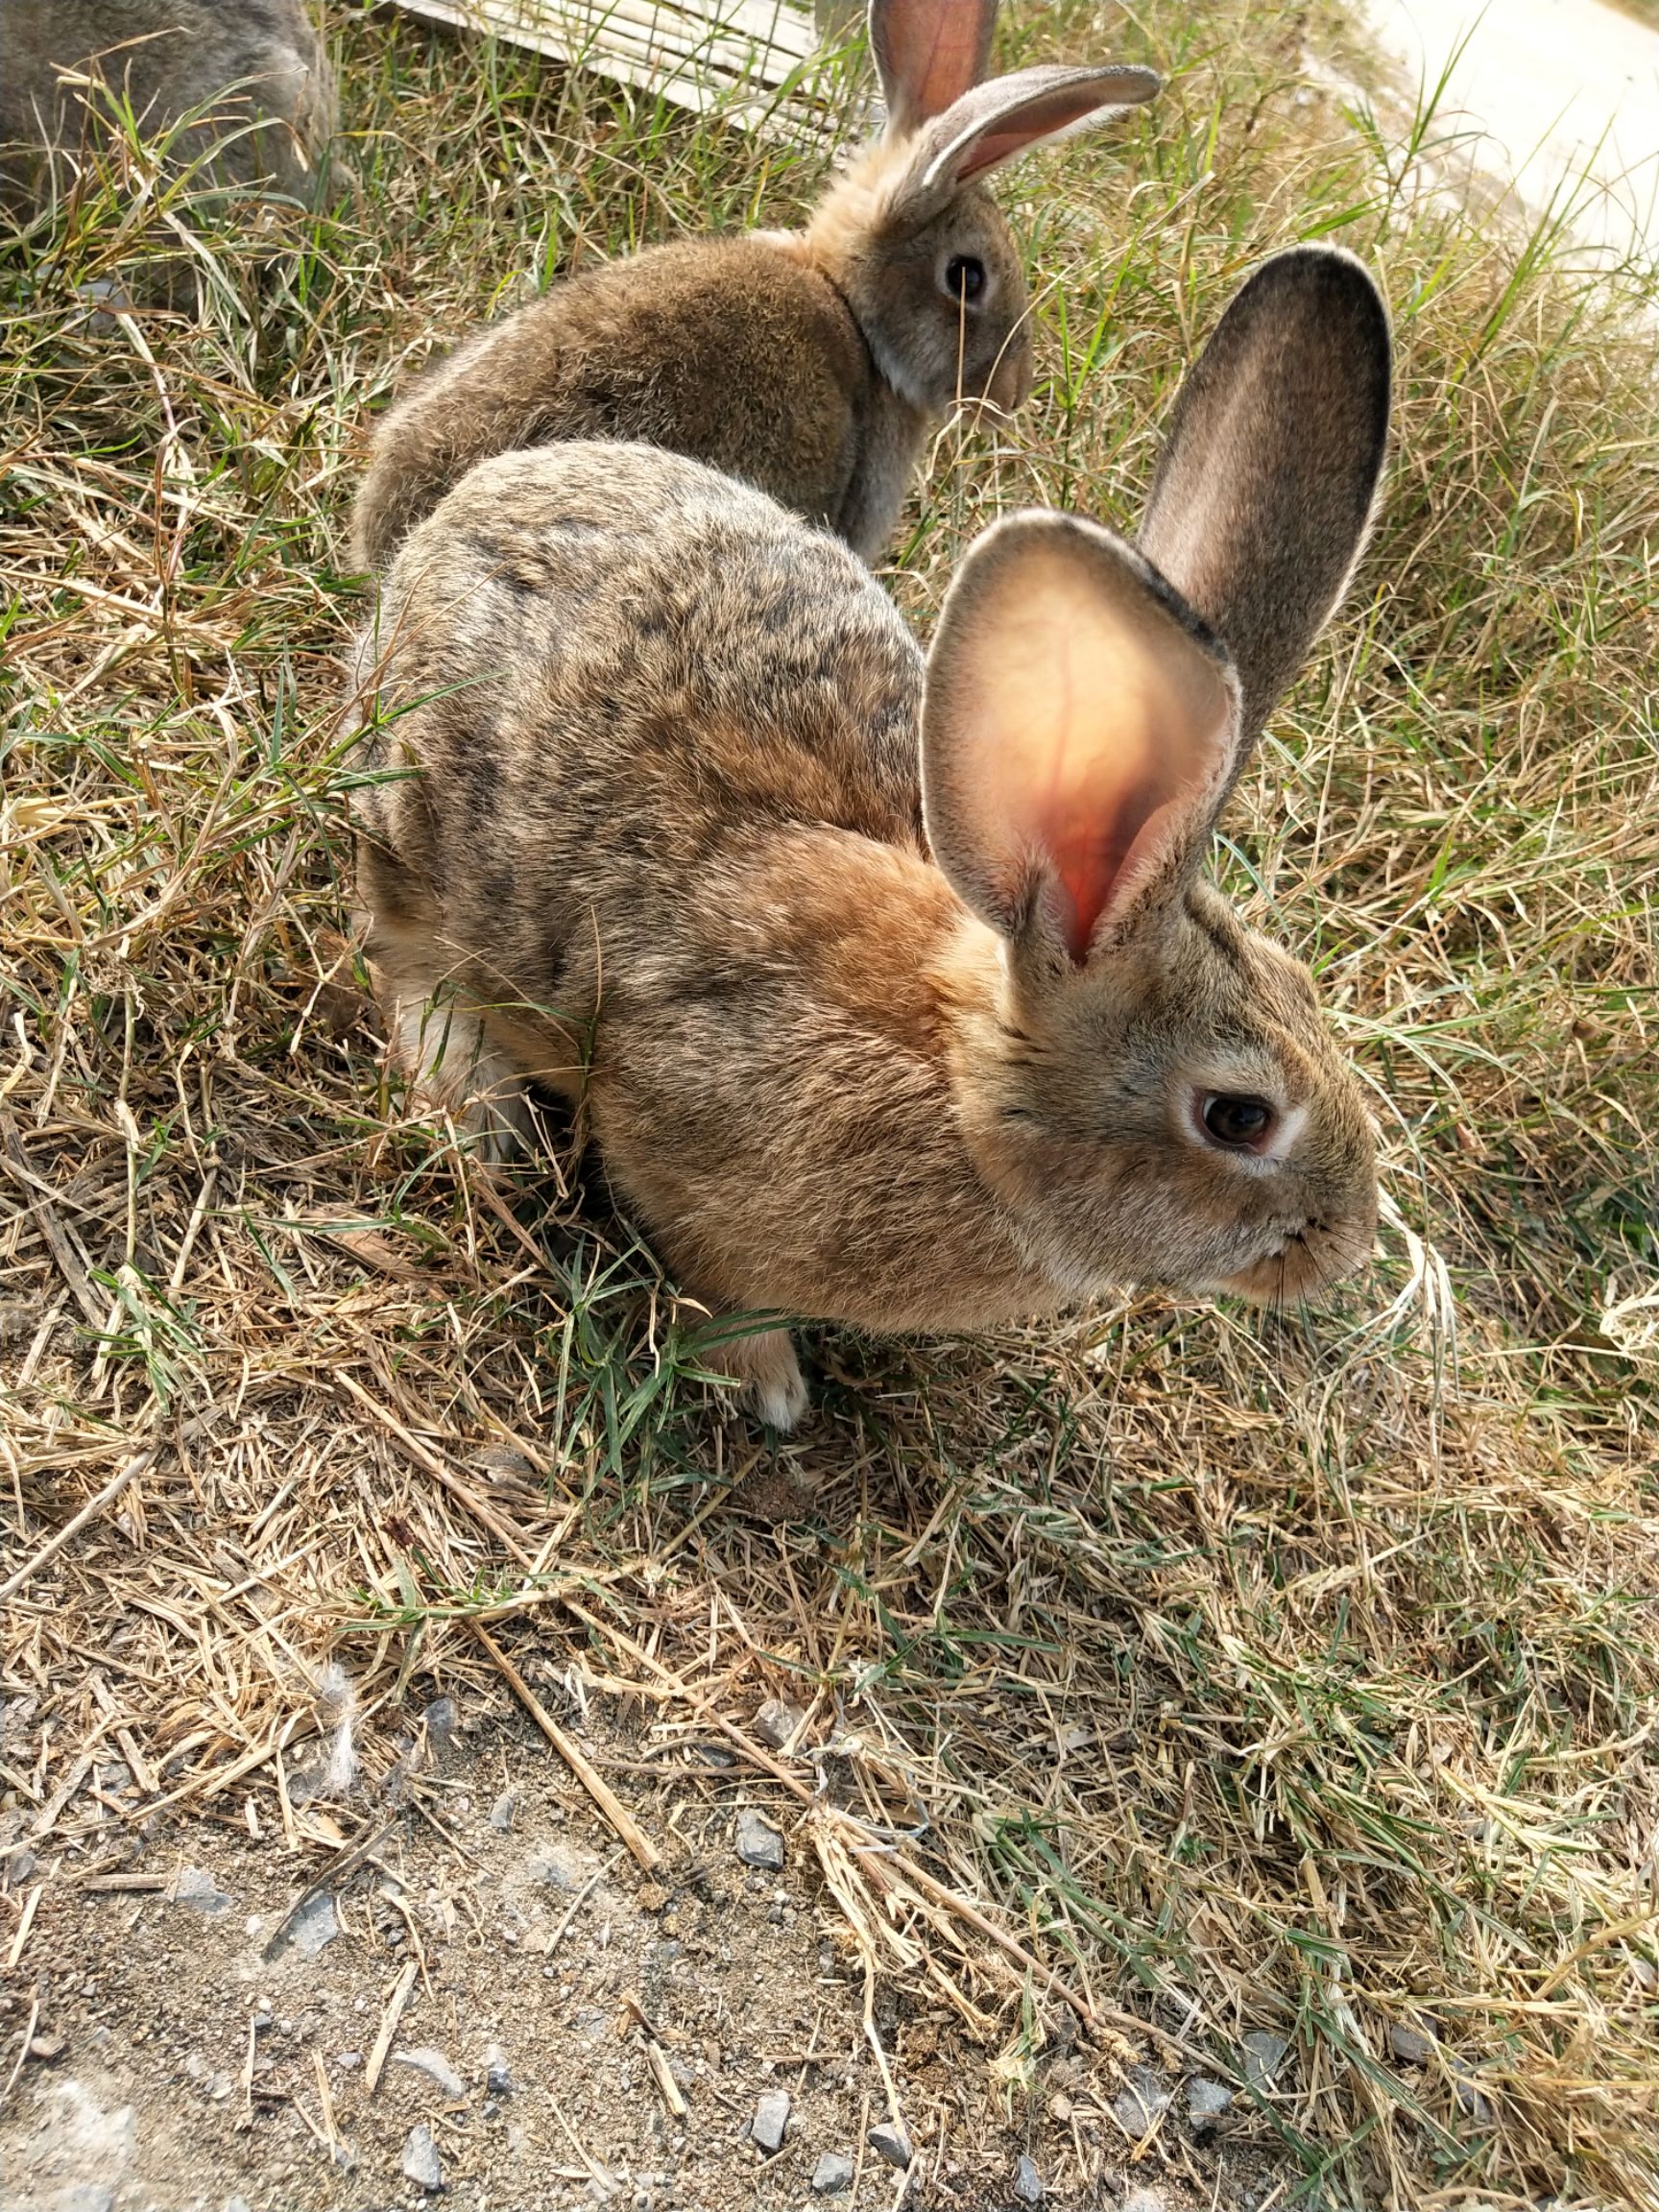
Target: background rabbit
(254, 70)
(907, 1052)
(811, 364)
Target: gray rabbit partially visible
(241, 87)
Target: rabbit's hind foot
(457, 1073)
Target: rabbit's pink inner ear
(1027, 126)
(1076, 736)
(929, 52)
(995, 122)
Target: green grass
(1295, 1672)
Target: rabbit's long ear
(1263, 497)
(994, 122)
(928, 53)
(1079, 732)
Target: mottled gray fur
(240, 61)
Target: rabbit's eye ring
(1240, 1124)
(964, 277)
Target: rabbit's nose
(1305, 1261)
(1010, 382)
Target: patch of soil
(201, 2046)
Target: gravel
(434, 2065)
(759, 1843)
(1143, 2101)
(420, 2162)
(1206, 2101)
(1028, 2182)
(891, 2141)
(832, 2175)
(196, 1888)
(777, 1721)
(1263, 2053)
(1410, 2045)
(771, 2118)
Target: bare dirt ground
(568, 2028)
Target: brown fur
(810, 365)
(725, 349)
(664, 851)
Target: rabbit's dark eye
(964, 277)
(1239, 1123)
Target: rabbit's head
(1155, 1093)
(910, 238)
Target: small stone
(434, 2065)
(1470, 2099)
(1410, 2045)
(498, 2076)
(554, 1869)
(85, 2197)
(19, 1863)
(759, 1843)
(441, 1722)
(771, 2118)
(1146, 2201)
(1206, 2102)
(1028, 2182)
(314, 1926)
(197, 1890)
(420, 2162)
(775, 1723)
(48, 2048)
(832, 2174)
(1143, 2101)
(502, 1464)
(1263, 2055)
(503, 1812)
(237, 2204)
(891, 2141)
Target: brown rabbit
(910, 1051)
(812, 365)
(247, 80)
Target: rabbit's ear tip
(1316, 275)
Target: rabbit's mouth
(1305, 1260)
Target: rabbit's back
(727, 349)
(614, 673)
(172, 56)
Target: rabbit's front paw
(765, 1364)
